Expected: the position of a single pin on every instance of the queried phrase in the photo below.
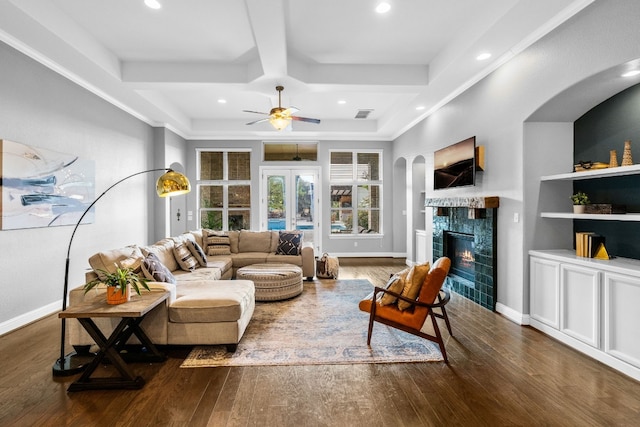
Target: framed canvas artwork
(42, 187)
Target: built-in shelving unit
(598, 173)
(594, 174)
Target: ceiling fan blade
(292, 110)
(305, 119)
(257, 112)
(258, 121)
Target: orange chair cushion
(413, 284)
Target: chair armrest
(442, 301)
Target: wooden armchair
(424, 306)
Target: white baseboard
(513, 315)
(368, 255)
(30, 317)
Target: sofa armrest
(308, 262)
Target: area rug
(322, 326)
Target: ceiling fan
(280, 117)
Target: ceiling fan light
(279, 122)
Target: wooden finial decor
(626, 155)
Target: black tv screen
(455, 165)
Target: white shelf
(598, 173)
(601, 217)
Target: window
(356, 192)
(224, 189)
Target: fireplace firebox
(459, 247)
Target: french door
(289, 201)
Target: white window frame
(225, 183)
(355, 182)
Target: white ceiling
(171, 66)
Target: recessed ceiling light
(342, 102)
(420, 107)
(383, 7)
(631, 73)
(483, 56)
(222, 101)
(153, 4)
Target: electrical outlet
(355, 244)
(516, 217)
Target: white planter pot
(578, 209)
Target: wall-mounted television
(455, 165)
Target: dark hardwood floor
(499, 374)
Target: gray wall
(495, 109)
(41, 108)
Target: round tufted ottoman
(273, 282)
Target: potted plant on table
(580, 200)
(119, 284)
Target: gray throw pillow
(155, 270)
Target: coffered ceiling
(175, 66)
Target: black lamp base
(73, 363)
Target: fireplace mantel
(463, 202)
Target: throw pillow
(412, 285)
(134, 263)
(197, 252)
(395, 284)
(185, 258)
(218, 245)
(154, 270)
(216, 242)
(289, 244)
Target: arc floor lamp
(169, 184)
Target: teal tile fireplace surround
(463, 216)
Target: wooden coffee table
(131, 313)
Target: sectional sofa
(204, 305)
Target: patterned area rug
(322, 326)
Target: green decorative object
(580, 198)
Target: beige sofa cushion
(206, 302)
(248, 258)
(254, 241)
(233, 240)
(197, 275)
(163, 249)
(129, 256)
(284, 259)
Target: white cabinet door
(545, 291)
(622, 317)
(580, 303)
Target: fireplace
(459, 247)
(468, 226)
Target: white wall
(495, 109)
(43, 109)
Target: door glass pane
(304, 202)
(276, 207)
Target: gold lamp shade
(172, 184)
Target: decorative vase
(613, 159)
(578, 209)
(116, 296)
(626, 155)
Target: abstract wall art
(42, 187)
